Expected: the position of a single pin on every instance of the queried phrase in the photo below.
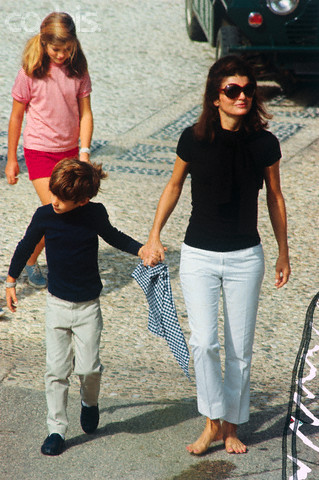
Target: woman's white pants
(238, 275)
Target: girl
(53, 87)
(229, 155)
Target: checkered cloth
(162, 320)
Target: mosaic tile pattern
(310, 112)
(149, 154)
(95, 147)
(4, 148)
(142, 157)
(137, 170)
(285, 130)
(173, 130)
(282, 130)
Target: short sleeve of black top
(226, 176)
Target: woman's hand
(282, 271)
(278, 217)
(152, 253)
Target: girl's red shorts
(41, 164)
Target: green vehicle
(281, 37)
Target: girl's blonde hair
(56, 29)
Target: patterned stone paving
(147, 84)
(155, 154)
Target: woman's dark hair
(228, 66)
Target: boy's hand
(11, 299)
(152, 253)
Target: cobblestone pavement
(148, 79)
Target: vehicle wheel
(288, 82)
(227, 36)
(194, 30)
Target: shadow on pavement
(263, 425)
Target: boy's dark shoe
(53, 445)
(89, 419)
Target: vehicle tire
(288, 82)
(194, 30)
(227, 36)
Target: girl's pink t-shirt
(52, 111)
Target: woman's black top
(226, 176)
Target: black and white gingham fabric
(162, 320)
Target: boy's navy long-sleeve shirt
(71, 242)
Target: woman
(228, 154)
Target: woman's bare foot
(232, 442)
(212, 432)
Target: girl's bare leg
(38, 249)
(212, 432)
(232, 442)
(41, 186)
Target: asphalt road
(148, 81)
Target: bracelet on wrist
(10, 284)
(85, 150)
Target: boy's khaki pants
(73, 332)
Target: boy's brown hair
(74, 180)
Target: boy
(71, 225)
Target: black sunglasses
(232, 90)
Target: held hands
(282, 271)
(152, 253)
